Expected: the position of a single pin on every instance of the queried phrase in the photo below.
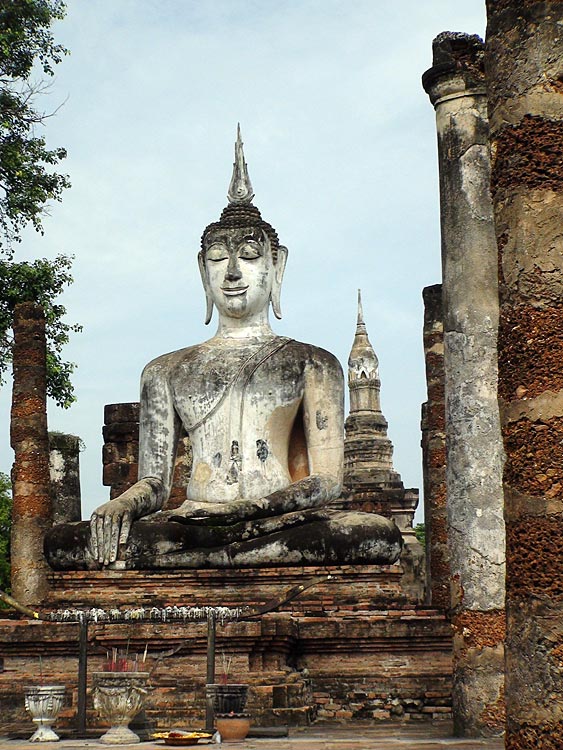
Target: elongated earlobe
(279, 269)
(204, 281)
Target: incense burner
(118, 698)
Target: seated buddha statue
(264, 414)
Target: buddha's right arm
(159, 428)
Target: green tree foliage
(28, 181)
(5, 524)
(27, 177)
(40, 281)
(420, 533)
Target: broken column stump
(32, 512)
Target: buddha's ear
(205, 282)
(279, 269)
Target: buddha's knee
(345, 538)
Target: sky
(340, 143)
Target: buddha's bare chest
(224, 392)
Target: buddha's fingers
(100, 538)
(107, 532)
(125, 528)
(93, 543)
(188, 507)
(114, 538)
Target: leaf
(28, 181)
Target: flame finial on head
(241, 212)
(240, 188)
(360, 325)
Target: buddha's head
(241, 260)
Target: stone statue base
(314, 537)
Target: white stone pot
(118, 698)
(44, 703)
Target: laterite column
(474, 454)
(524, 60)
(32, 512)
(434, 453)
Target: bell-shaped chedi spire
(368, 451)
(370, 480)
(369, 475)
(240, 188)
(363, 369)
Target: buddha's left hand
(213, 514)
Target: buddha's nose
(233, 269)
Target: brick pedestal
(354, 648)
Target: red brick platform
(352, 649)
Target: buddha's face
(239, 270)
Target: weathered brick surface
(300, 669)
(346, 650)
(32, 507)
(530, 351)
(478, 639)
(434, 452)
(120, 453)
(353, 588)
(530, 154)
(479, 629)
(524, 51)
(124, 412)
(535, 572)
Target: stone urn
(118, 698)
(227, 699)
(44, 703)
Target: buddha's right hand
(109, 527)
(110, 524)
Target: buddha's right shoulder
(162, 366)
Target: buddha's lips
(234, 291)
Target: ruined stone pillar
(31, 514)
(524, 54)
(64, 467)
(120, 454)
(474, 453)
(434, 453)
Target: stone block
(381, 715)
(119, 473)
(126, 412)
(121, 432)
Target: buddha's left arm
(323, 421)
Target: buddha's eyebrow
(255, 234)
(219, 237)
